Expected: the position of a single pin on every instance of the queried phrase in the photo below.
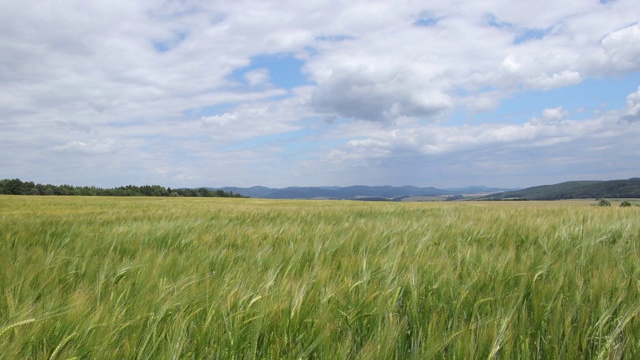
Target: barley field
(216, 278)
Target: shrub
(604, 202)
(625, 204)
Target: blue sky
(195, 93)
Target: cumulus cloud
(632, 112)
(551, 115)
(384, 85)
(554, 129)
(257, 77)
(622, 48)
(550, 81)
(377, 95)
(554, 114)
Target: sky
(319, 93)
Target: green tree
(13, 187)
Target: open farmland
(162, 278)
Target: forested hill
(18, 187)
(575, 190)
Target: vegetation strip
(196, 278)
(19, 187)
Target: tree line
(18, 187)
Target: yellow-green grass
(178, 278)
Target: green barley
(246, 278)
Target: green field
(178, 278)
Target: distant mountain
(478, 190)
(357, 192)
(575, 190)
(254, 192)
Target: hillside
(629, 188)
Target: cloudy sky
(292, 93)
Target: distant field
(424, 198)
(195, 278)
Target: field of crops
(178, 278)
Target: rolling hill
(629, 188)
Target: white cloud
(153, 79)
(555, 80)
(257, 77)
(88, 148)
(552, 130)
(219, 120)
(623, 48)
(551, 115)
(377, 94)
(555, 114)
(510, 64)
(632, 112)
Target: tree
(18, 187)
(13, 187)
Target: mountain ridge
(356, 192)
(579, 189)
